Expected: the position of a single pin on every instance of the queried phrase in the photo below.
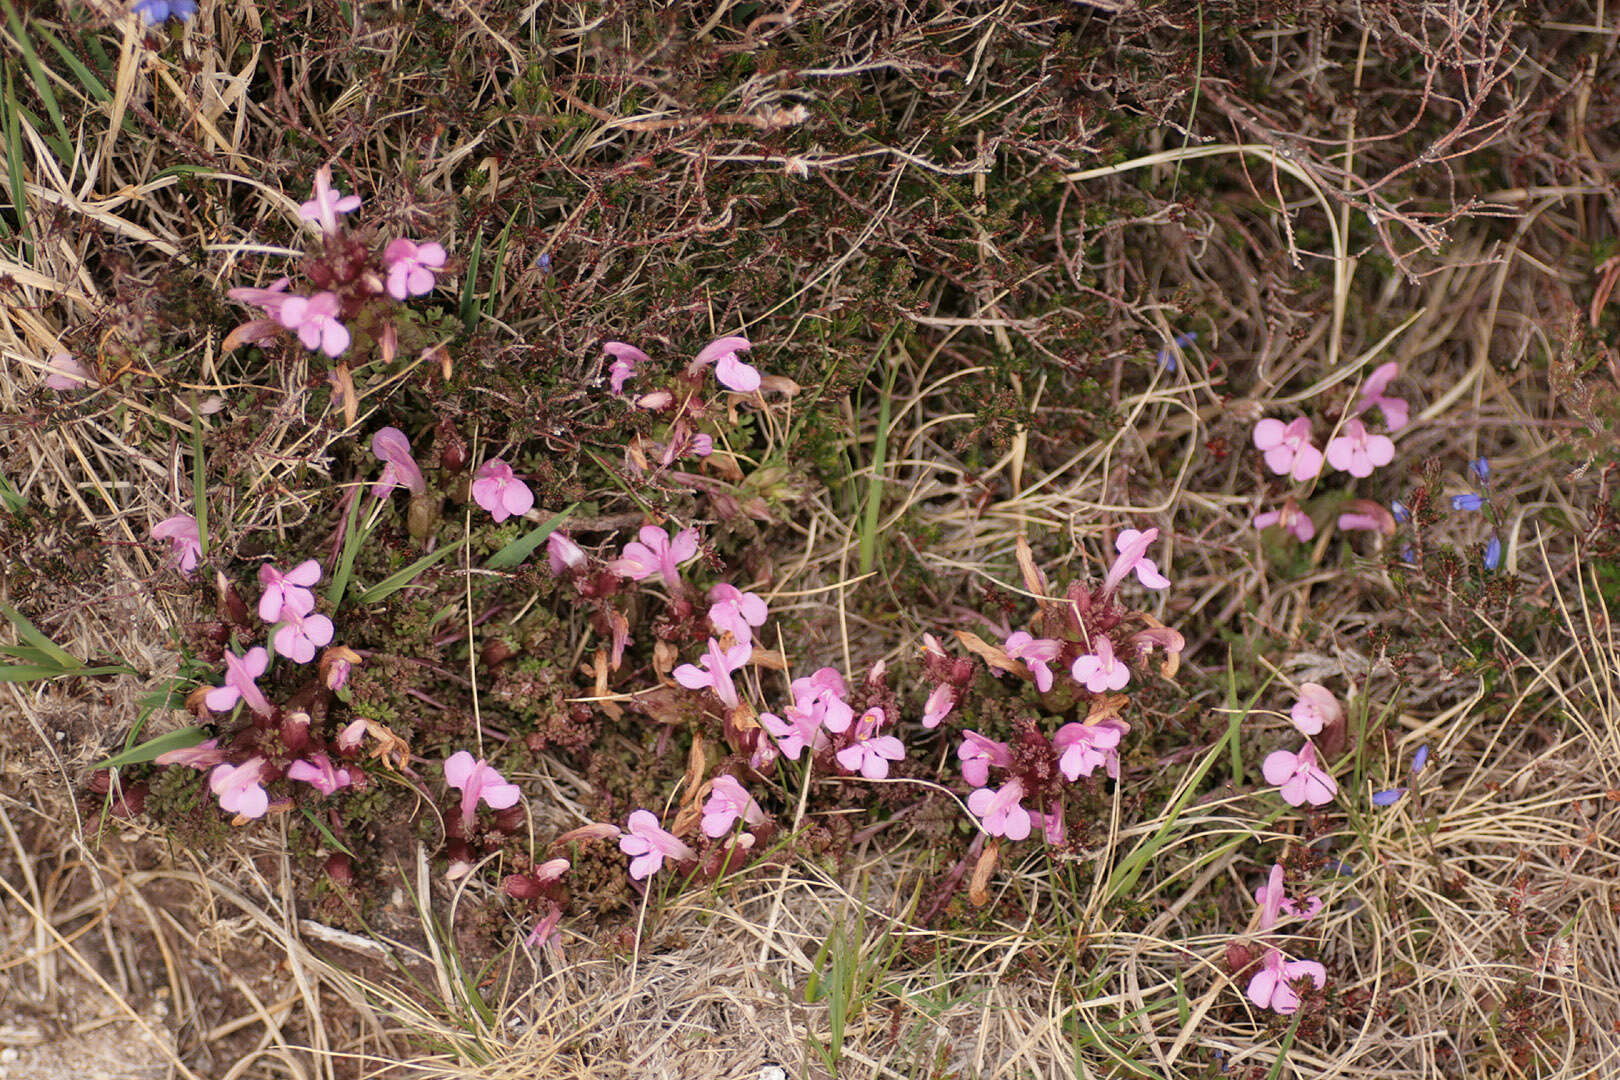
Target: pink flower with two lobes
(393, 449)
(319, 772)
(476, 780)
(1288, 447)
(1315, 709)
(871, 753)
(1357, 452)
(284, 592)
(626, 358)
(411, 267)
(1269, 988)
(1036, 653)
(183, 533)
(1395, 409)
(1100, 671)
(977, 753)
(1291, 518)
(732, 609)
(1132, 545)
(240, 673)
(941, 700)
(1001, 811)
(1273, 900)
(1083, 747)
(299, 635)
(732, 372)
(315, 320)
(729, 800)
(238, 787)
(656, 553)
(497, 489)
(715, 674)
(328, 202)
(1299, 777)
(648, 845)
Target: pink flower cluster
(1273, 986)
(1297, 774)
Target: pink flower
(1036, 653)
(655, 553)
(240, 673)
(327, 203)
(1269, 988)
(314, 319)
(732, 372)
(715, 674)
(728, 801)
(393, 449)
(625, 360)
(348, 740)
(336, 664)
(737, 611)
(1132, 546)
(477, 780)
(822, 695)
(1358, 453)
(205, 755)
(1299, 777)
(1372, 393)
(1099, 671)
(1000, 811)
(977, 753)
(318, 770)
(1273, 899)
(411, 267)
(941, 700)
(1288, 448)
(1083, 747)
(1368, 515)
(182, 532)
(299, 636)
(270, 299)
(66, 373)
(289, 592)
(563, 554)
(871, 753)
(1050, 824)
(497, 489)
(1290, 517)
(239, 789)
(648, 845)
(1315, 709)
(545, 934)
(802, 728)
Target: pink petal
(458, 769)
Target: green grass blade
(14, 174)
(31, 633)
(199, 482)
(514, 553)
(42, 83)
(353, 538)
(396, 581)
(470, 308)
(149, 750)
(15, 503)
(331, 840)
(874, 487)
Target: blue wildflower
(153, 12)
(543, 263)
(1409, 554)
(1468, 501)
(1402, 514)
(1481, 468)
(1388, 797)
(1420, 759)
(1167, 355)
(1493, 553)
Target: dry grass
(1040, 198)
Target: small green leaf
(514, 553)
(183, 739)
(396, 581)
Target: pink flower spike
(871, 753)
(732, 372)
(563, 554)
(478, 780)
(393, 449)
(737, 611)
(205, 755)
(728, 801)
(545, 934)
(1083, 747)
(239, 789)
(715, 674)
(626, 358)
(328, 203)
(269, 299)
(648, 845)
(240, 673)
(1132, 546)
(1359, 453)
(978, 753)
(289, 592)
(1288, 448)
(941, 700)
(497, 489)
(1315, 709)
(1291, 518)
(1099, 671)
(1269, 988)
(1273, 900)
(655, 553)
(315, 320)
(1000, 811)
(66, 373)
(411, 267)
(299, 636)
(182, 532)
(1036, 653)
(1395, 410)
(318, 771)
(1299, 777)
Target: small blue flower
(1167, 355)
(543, 263)
(1420, 759)
(153, 12)
(1468, 501)
(1409, 554)
(1402, 514)
(1388, 797)
(1493, 553)
(1481, 468)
